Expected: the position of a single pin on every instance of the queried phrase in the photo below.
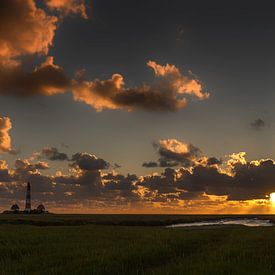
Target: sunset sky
(138, 106)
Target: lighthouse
(28, 206)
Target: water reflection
(246, 222)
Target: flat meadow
(132, 244)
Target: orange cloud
(200, 188)
(68, 6)
(236, 158)
(24, 29)
(99, 93)
(47, 79)
(173, 152)
(168, 94)
(174, 146)
(182, 84)
(5, 139)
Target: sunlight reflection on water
(246, 222)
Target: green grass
(113, 249)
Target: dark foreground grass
(109, 249)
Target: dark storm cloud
(204, 179)
(52, 153)
(253, 180)
(249, 181)
(110, 193)
(92, 184)
(122, 187)
(85, 183)
(173, 152)
(88, 162)
(240, 181)
(148, 98)
(47, 79)
(161, 184)
(258, 124)
(199, 175)
(91, 178)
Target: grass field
(100, 246)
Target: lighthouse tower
(28, 206)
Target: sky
(138, 106)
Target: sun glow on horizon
(272, 198)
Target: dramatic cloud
(5, 140)
(24, 165)
(253, 180)
(47, 79)
(50, 79)
(123, 187)
(196, 181)
(258, 124)
(84, 184)
(88, 162)
(5, 175)
(173, 152)
(68, 6)
(179, 83)
(240, 180)
(52, 153)
(24, 29)
(249, 181)
(169, 93)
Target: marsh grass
(110, 249)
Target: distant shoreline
(51, 219)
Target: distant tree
(41, 208)
(15, 208)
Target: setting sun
(272, 197)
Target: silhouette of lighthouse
(28, 206)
